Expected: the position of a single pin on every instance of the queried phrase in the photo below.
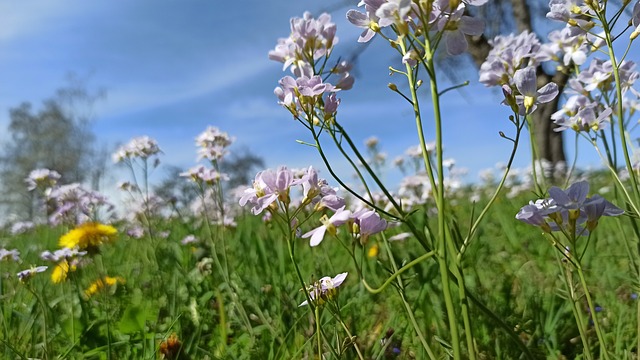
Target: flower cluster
(324, 289)
(310, 41)
(447, 17)
(212, 144)
(584, 110)
(569, 211)
(202, 174)
(142, 147)
(73, 204)
(270, 185)
(42, 179)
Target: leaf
(132, 320)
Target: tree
(57, 136)
(518, 17)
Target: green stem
(443, 255)
(594, 315)
(566, 276)
(318, 333)
(406, 304)
(397, 273)
(620, 112)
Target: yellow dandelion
(88, 236)
(100, 284)
(61, 271)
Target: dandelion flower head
(88, 236)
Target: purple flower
(368, 21)
(25, 275)
(141, 147)
(324, 289)
(10, 254)
(213, 144)
(310, 40)
(369, 223)
(42, 178)
(568, 209)
(635, 20)
(268, 187)
(455, 25)
(341, 216)
(526, 83)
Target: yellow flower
(61, 271)
(88, 236)
(373, 251)
(101, 284)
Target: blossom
(213, 144)
(310, 40)
(62, 269)
(368, 222)
(27, 274)
(324, 289)
(100, 284)
(21, 227)
(189, 239)
(206, 175)
(635, 21)
(302, 93)
(88, 236)
(268, 187)
(341, 216)
(368, 20)
(526, 83)
(508, 54)
(61, 254)
(455, 25)
(568, 210)
(42, 178)
(74, 204)
(10, 254)
(141, 147)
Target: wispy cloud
(24, 18)
(139, 95)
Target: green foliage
(256, 314)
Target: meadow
(536, 263)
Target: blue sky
(171, 68)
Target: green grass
(171, 288)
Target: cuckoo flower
(455, 26)
(635, 21)
(330, 225)
(25, 275)
(140, 147)
(368, 20)
(568, 210)
(526, 83)
(268, 187)
(324, 289)
(368, 223)
(310, 40)
(42, 178)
